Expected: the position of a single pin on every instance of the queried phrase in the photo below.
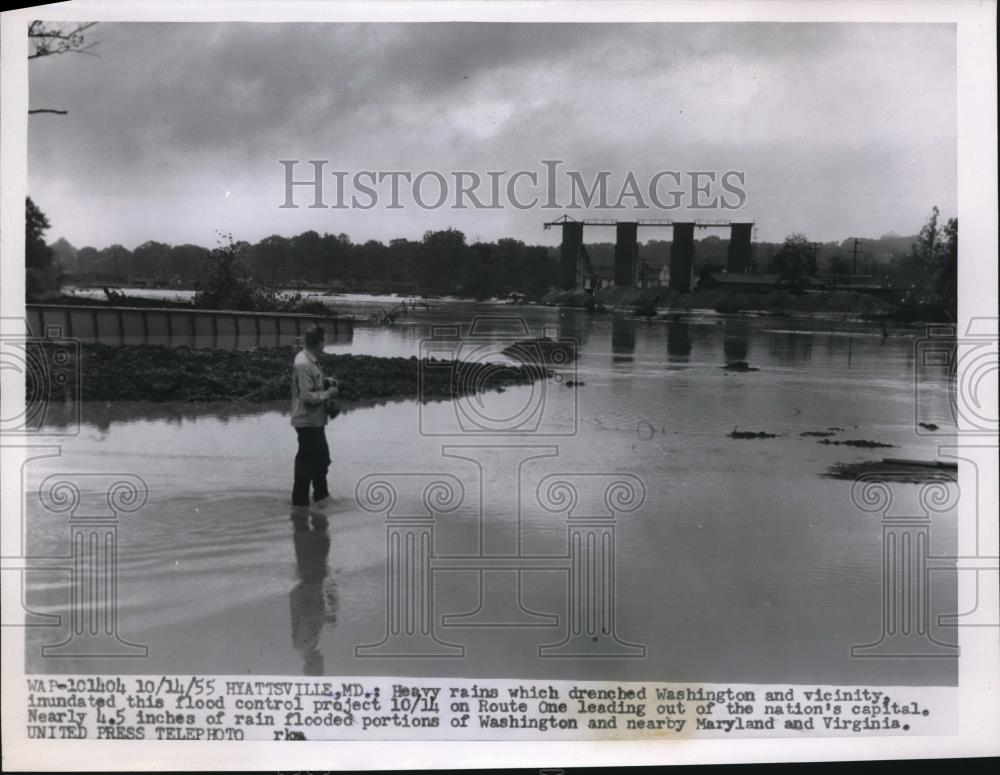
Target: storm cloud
(176, 129)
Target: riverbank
(364, 308)
(158, 373)
(292, 303)
(648, 301)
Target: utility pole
(815, 255)
(856, 241)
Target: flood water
(735, 560)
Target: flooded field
(736, 559)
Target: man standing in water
(310, 394)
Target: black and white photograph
(504, 371)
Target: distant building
(851, 282)
(594, 274)
(744, 282)
(653, 272)
(591, 275)
(814, 284)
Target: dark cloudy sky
(176, 129)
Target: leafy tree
(65, 253)
(114, 262)
(226, 282)
(271, 259)
(795, 261)
(403, 255)
(925, 251)
(150, 259)
(442, 253)
(86, 260)
(342, 259)
(481, 275)
(934, 261)
(711, 253)
(946, 276)
(371, 260)
(185, 261)
(43, 276)
(308, 246)
(840, 266)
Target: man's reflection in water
(313, 600)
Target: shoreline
(654, 302)
(659, 302)
(103, 415)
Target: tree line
(442, 262)
(445, 262)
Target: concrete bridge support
(682, 257)
(626, 253)
(739, 259)
(569, 253)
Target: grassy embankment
(181, 374)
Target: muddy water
(739, 562)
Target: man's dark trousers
(311, 464)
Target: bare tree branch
(37, 29)
(84, 50)
(52, 39)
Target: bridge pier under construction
(626, 252)
(739, 259)
(569, 252)
(682, 257)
